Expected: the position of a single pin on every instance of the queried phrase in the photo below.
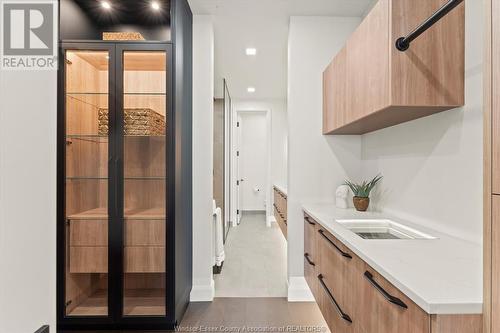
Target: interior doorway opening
(255, 250)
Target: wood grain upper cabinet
(371, 85)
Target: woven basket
(137, 122)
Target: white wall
(28, 113)
(253, 158)
(317, 164)
(433, 166)
(203, 104)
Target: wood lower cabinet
(280, 209)
(353, 297)
(390, 310)
(311, 255)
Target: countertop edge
(281, 189)
(432, 308)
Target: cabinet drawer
(88, 259)
(311, 255)
(144, 259)
(336, 316)
(281, 221)
(145, 233)
(88, 233)
(341, 272)
(388, 310)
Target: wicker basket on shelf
(137, 122)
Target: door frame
(234, 149)
(114, 319)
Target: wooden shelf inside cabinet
(371, 85)
(131, 214)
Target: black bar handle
(343, 315)
(344, 254)
(387, 296)
(403, 43)
(306, 255)
(308, 220)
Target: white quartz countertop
(281, 188)
(442, 275)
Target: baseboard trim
(269, 221)
(202, 292)
(298, 290)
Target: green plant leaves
(363, 190)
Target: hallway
(255, 264)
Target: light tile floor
(255, 264)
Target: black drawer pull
(387, 296)
(308, 220)
(344, 254)
(306, 255)
(343, 315)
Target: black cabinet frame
(115, 319)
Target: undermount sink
(382, 229)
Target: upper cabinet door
(371, 85)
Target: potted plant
(362, 191)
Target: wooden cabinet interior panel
(141, 194)
(431, 72)
(456, 323)
(79, 287)
(144, 259)
(144, 156)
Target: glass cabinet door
(86, 183)
(144, 169)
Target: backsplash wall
(432, 167)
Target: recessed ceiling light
(250, 51)
(105, 5)
(251, 89)
(155, 5)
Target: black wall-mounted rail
(403, 43)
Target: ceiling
(262, 24)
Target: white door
(238, 170)
(253, 161)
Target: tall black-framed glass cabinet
(124, 175)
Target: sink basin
(382, 229)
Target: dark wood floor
(253, 312)
(257, 314)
